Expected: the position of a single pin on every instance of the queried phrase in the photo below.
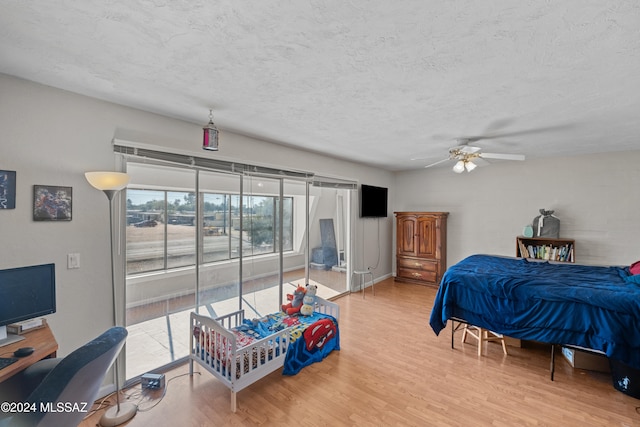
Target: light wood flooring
(393, 370)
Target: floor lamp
(111, 183)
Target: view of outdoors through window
(161, 232)
(240, 265)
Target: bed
(586, 307)
(240, 351)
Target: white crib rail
(237, 367)
(327, 307)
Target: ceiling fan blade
(516, 133)
(438, 162)
(502, 156)
(480, 161)
(467, 149)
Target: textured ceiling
(378, 82)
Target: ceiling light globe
(470, 166)
(459, 167)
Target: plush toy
(295, 301)
(309, 300)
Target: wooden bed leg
(233, 402)
(504, 345)
(553, 360)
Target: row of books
(547, 252)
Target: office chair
(75, 379)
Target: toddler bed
(239, 351)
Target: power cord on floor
(139, 394)
(102, 404)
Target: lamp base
(114, 417)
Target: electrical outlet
(73, 261)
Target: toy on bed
(295, 301)
(309, 300)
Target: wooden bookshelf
(561, 250)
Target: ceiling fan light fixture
(459, 166)
(470, 166)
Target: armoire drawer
(414, 274)
(416, 264)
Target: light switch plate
(73, 261)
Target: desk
(42, 340)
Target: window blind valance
(207, 164)
(204, 163)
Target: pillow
(635, 268)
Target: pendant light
(210, 136)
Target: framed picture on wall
(7, 189)
(51, 203)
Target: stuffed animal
(309, 300)
(295, 301)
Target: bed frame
(521, 298)
(238, 367)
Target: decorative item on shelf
(527, 231)
(546, 225)
(210, 137)
(111, 183)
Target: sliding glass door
(160, 258)
(219, 241)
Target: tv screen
(27, 293)
(373, 201)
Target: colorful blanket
(312, 337)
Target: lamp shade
(210, 138)
(105, 181)
(459, 167)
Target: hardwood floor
(393, 370)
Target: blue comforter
(588, 306)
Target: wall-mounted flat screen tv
(373, 201)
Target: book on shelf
(547, 251)
(524, 252)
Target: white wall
(595, 197)
(52, 137)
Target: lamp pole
(111, 183)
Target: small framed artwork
(51, 203)
(7, 189)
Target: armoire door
(426, 242)
(406, 238)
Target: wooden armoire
(421, 247)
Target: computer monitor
(25, 293)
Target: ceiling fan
(468, 157)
